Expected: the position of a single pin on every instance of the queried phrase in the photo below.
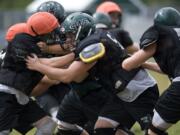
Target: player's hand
(33, 62)
(43, 46)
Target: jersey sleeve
(149, 37)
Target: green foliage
(13, 4)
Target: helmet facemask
(80, 25)
(116, 18)
(80, 35)
(51, 38)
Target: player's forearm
(152, 66)
(132, 48)
(56, 49)
(62, 61)
(61, 75)
(59, 61)
(133, 62)
(40, 89)
(43, 86)
(138, 58)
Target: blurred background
(137, 14)
(137, 17)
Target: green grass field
(163, 83)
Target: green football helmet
(102, 20)
(80, 24)
(55, 8)
(167, 16)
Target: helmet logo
(76, 25)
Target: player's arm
(58, 61)
(138, 58)
(148, 65)
(52, 49)
(43, 86)
(76, 70)
(148, 48)
(152, 66)
(131, 49)
(56, 49)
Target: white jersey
(21, 97)
(141, 82)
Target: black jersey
(122, 36)
(108, 69)
(168, 47)
(14, 72)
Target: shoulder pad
(92, 52)
(149, 37)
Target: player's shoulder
(90, 49)
(24, 37)
(92, 39)
(149, 37)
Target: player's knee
(65, 128)
(159, 122)
(106, 126)
(104, 122)
(155, 131)
(158, 126)
(122, 130)
(45, 127)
